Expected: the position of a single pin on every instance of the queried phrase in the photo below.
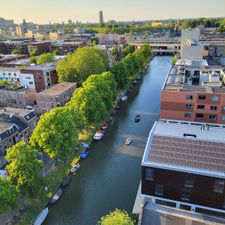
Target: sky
(45, 11)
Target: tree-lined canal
(110, 176)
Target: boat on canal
(66, 181)
(56, 196)
(84, 154)
(41, 217)
(128, 141)
(137, 118)
(75, 168)
(123, 98)
(99, 135)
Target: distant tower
(101, 21)
(24, 26)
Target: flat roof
(57, 88)
(46, 66)
(4, 126)
(10, 69)
(186, 147)
(15, 111)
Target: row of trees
(57, 131)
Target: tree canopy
(118, 217)
(45, 58)
(8, 195)
(16, 52)
(24, 167)
(76, 67)
(88, 101)
(56, 134)
(127, 50)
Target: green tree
(78, 66)
(33, 52)
(24, 167)
(16, 52)
(174, 59)
(132, 65)
(116, 53)
(127, 50)
(121, 74)
(146, 51)
(8, 195)
(88, 101)
(33, 60)
(103, 88)
(56, 134)
(45, 58)
(186, 24)
(118, 217)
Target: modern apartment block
(39, 77)
(183, 166)
(41, 47)
(194, 91)
(10, 74)
(55, 96)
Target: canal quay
(110, 176)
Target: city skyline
(87, 11)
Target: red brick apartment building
(194, 91)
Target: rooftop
(58, 88)
(195, 76)
(186, 147)
(9, 69)
(46, 66)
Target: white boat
(123, 98)
(75, 168)
(41, 217)
(128, 141)
(99, 135)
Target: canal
(109, 177)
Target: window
(188, 106)
(214, 98)
(31, 82)
(199, 115)
(223, 118)
(14, 74)
(200, 107)
(189, 97)
(187, 115)
(185, 197)
(149, 174)
(212, 107)
(218, 186)
(223, 108)
(158, 189)
(201, 97)
(212, 117)
(188, 181)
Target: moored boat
(75, 168)
(98, 135)
(123, 98)
(66, 181)
(56, 196)
(41, 217)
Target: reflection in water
(110, 176)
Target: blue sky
(43, 11)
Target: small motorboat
(66, 181)
(41, 217)
(137, 118)
(123, 98)
(98, 135)
(105, 126)
(127, 141)
(85, 145)
(135, 82)
(75, 168)
(56, 196)
(84, 155)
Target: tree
(8, 195)
(16, 52)
(45, 58)
(132, 65)
(102, 87)
(118, 217)
(127, 50)
(33, 60)
(116, 53)
(186, 24)
(146, 51)
(33, 53)
(78, 66)
(174, 60)
(88, 101)
(24, 167)
(56, 134)
(121, 74)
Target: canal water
(109, 177)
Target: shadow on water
(110, 176)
